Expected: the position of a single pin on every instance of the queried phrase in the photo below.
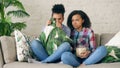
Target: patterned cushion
(22, 46)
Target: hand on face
(48, 22)
(58, 17)
(58, 25)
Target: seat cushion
(35, 65)
(103, 65)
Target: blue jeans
(96, 56)
(42, 54)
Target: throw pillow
(115, 41)
(113, 55)
(52, 37)
(113, 49)
(22, 45)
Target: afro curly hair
(58, 8)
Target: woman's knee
(65, 56)
(101, 50)
(66, 45)
(35, 43)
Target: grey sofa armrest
(8, 49)
(1, 57)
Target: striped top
(85, 37)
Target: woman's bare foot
(81, 65)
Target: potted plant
(6, 24)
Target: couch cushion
(8, 48)
(35, 65)
(105, 37)
(103, 65)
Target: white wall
(104, 14)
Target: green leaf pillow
(113, 55)
(52, 40)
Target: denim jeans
(96, 56)
(42, 54)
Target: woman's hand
(59, 25)
(84, 54)
(48, 22)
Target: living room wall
(104, 14)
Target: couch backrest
(97, 38)
(105, 37)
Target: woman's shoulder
(66, 29)
(87, 30)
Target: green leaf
(18, 4)
(7, 3)
(18, 13)
(42, 38)
(1, 29)
(0, 6)
(6, 24)
(5, 29)
(14, 3)
(8, 19)
(18, 25)
(0, 15)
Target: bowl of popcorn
(82, 52)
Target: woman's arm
(92, 42)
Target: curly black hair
(83, 15)
(58, 8)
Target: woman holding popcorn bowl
(84, 49)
